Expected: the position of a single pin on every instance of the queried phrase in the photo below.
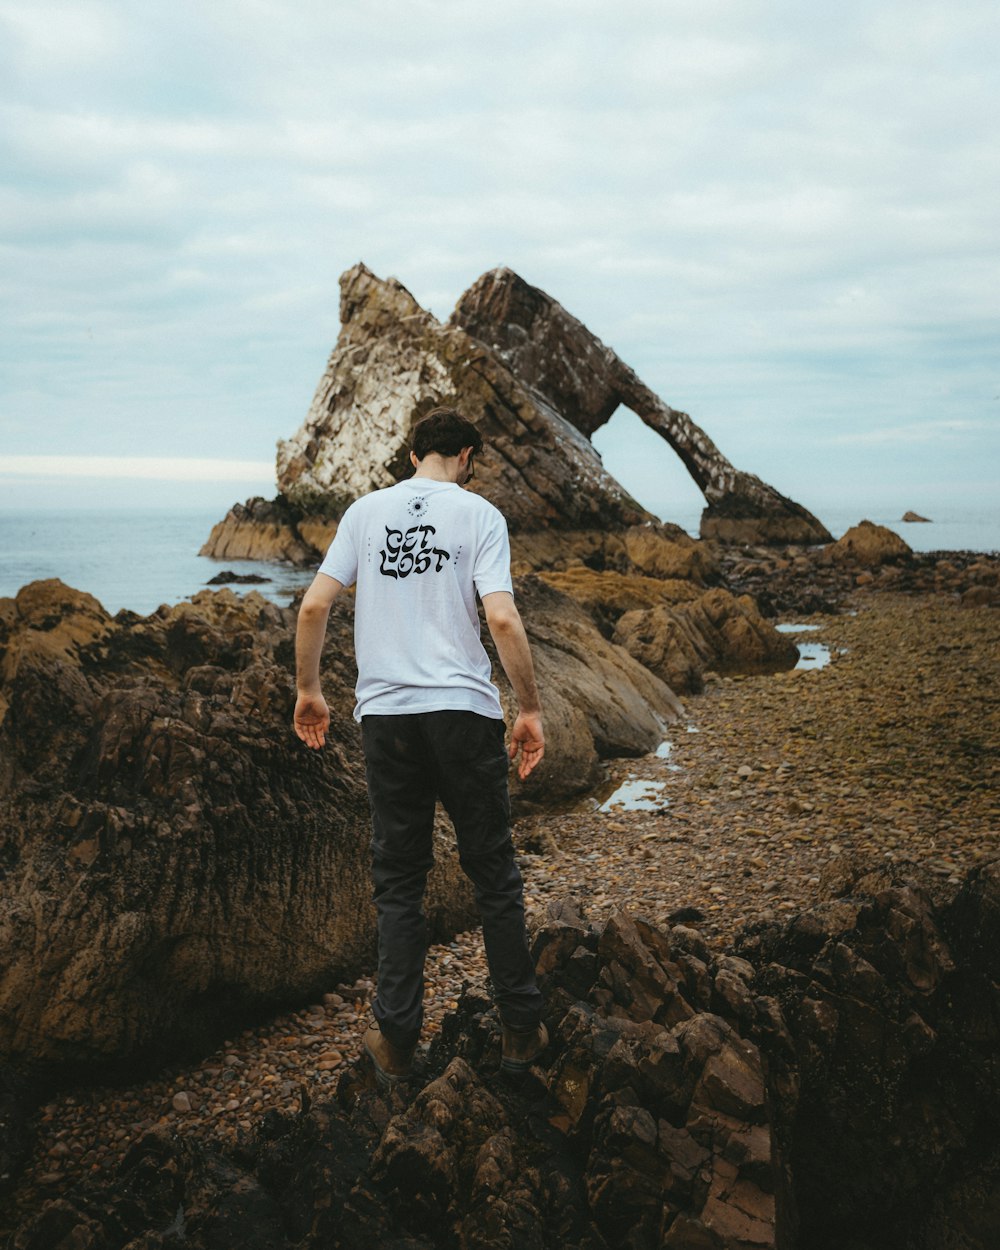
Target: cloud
(935, 432)
(783, 218)
(135, 468)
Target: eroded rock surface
(559, 359)
(173, 857)
(716, 631)
(536, 382)
(831, 1082)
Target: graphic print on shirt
(411, 551)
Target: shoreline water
(141, 559)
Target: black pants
(411, 761)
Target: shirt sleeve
(341, 559)
(492, 568)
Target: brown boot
(522, 1047)
(390, 1063)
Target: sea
(141, 559)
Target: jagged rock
(393, 361)
(555, 355)
(867, 545)
(537, 384)
(228, 578)
(844, 1091)
(715, 631)
(913, 516)
(892, 1003)
(160, 818)
(260, 530)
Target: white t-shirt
(419, 551)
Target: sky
(784, 217)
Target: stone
(913, 516)
(867, 545)
(716, 631)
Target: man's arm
(507, 631)
(312, 716)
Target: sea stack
(537, 383)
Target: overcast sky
(783, 216)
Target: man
(431, 722)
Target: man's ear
(413, 460)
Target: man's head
(445, 432)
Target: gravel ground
(890, 750)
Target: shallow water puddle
(635, 795)
(812, 655)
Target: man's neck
(437, 468)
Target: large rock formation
(557, 357)
(536, 382)
(173, 858)
(833, 1083)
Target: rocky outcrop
(598, 701)
(393, 361)
(915, 516)
(174, 859)
(802, 581)
(269, 530)
(867, 545)
(833, 1082)
(536, 382)
(555, 355)
(716, 632)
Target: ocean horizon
(141, 558)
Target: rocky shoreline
(774, 789)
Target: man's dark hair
(445, 432)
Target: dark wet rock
(803, 581)
(840, 1088)
(174, 860)
(228, 578)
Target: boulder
(598, 701)
(161, 818)
(716, 631)
(913, 516)
(867, 546)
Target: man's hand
(528, 738)
(312, 719)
